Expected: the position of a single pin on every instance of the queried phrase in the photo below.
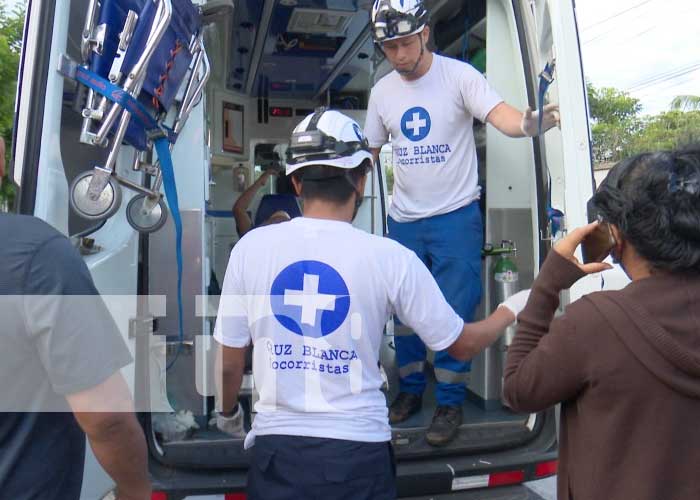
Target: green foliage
(669, 130)
(615, 117)
(609, 105)
(11, 30)
(686, 103)
(619, 131)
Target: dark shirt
(58, 338)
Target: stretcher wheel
(103, 207)
(143, 218)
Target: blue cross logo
(415, 124)
(310, 298)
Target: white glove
(232, 425)
(531, 121)
(516, 302)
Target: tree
(11, 30)
(686, 103)
(615, 117)
(619, 131)
(609, 105)
(669, 130)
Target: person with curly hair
(624, 364)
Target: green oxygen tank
(505, 280)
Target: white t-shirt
(430, 122)
(314, 295)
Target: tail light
(546, 469)
(506, 478)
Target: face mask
(617, 259)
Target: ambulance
(122, 103)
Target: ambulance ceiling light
(316, 21)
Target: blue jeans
(450, 247)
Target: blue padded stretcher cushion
(168, 67)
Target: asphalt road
(546, 488)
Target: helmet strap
(313, 123)
(420, 57)
(358, 203)
(359, 198)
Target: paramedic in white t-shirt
(426, 106)
(312, 296)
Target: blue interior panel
(293, 64)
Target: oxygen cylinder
(502, 283)
(505, 279)
(505, 282)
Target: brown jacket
(626, 366)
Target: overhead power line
(615, 16)
(615, 29)
(664, 77)
(664, 88)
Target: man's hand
(568, 245)
(478, 336)
(530, 122)
(516, 302)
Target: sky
(649, 48)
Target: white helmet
(329, 138)
(392, 19)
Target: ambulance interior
(272, 62)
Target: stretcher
(143, 70)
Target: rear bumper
(503, 493)
(181, 484)
(416, 479)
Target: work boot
(405, 405)
(445, 425)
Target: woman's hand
(568, 245)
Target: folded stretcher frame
(136, 56)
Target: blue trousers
(450, 247)
(296, 468)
